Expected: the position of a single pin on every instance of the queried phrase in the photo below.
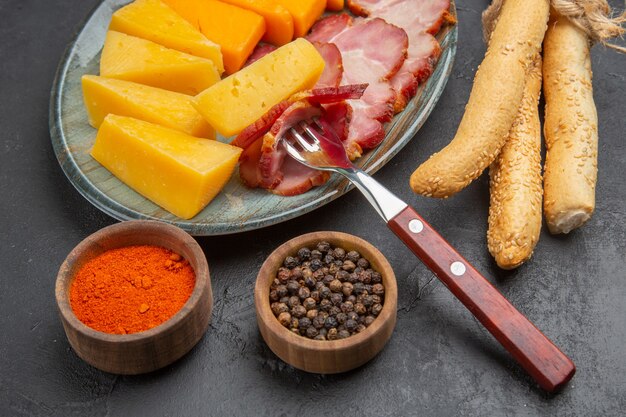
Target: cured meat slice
(372, 51)
(298, 178)
(420, 20)
(331, 76)
(413, 15)
(323, 95)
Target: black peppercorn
(284, 319)
(309, 303)
(347, 307)
(294, 323)
(309, 282)
(336, 298)
(304, 254)
(323, 331)
(311, 332)
(318, 322)
(298, 311)
(315, 295)
(311, 314)
(333, 268)
(330, 322)
(342, 275)
(358, 288)
(352, 315)
(304, 292)
(306, 272)
(351, 298)
(334, 310)
(335, 285)
(367, 301)
(360, 328)
(291, 262)
(316, 264)
(365, 277)
(325, 304)
(329, 259)
(351, 325)
(376, 299)
(376, 309)
(347, 289)
(323, 246)
(360, 309)
(369, 320)
(284, 300)
(278, 308)
(293, 287)
(363, 263)
(353, 256)
(296, 273)
(325, 292)
(315, 254)
(293, 301)
(376, 278)
(339, 253)
(281, 290)
(283, 275)
(332, 334)
(304, 324)
(353, 278)
(343, 334)
(378, 289)
(348, 266)
(274, 295)
(341, 318)
(320, 337)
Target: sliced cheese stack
(278, 20)
(155, 21)
(180, 173)
(236, 30)
(242, 98)
(105, 96)
(304, 13)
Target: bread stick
(494, 100)
(515, 183)
(570, 128)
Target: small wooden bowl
(325, 356)
(152, 349)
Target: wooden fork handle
(531, 348)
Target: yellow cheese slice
(178, 172)
(155, 21)
(242, 98)
(134, 59)
(304, 13)
(174, 110)
(235, 30)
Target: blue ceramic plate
(236, 208)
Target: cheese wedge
(104, 96)
(155, 21)
(178, 172)
(242, 98)
(134, 59)
(334, 5)
(304, 13)
(278, 20)
(236, 30)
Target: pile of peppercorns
(326, 293)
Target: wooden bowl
(325, 356)
(152, 349)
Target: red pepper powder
(131, 289)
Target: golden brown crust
(515, 183)
(570, 128)
(493, 103)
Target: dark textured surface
(439, 361)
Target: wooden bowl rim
(64, 280)
(261, 292)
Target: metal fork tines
(304, 144)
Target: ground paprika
(131, 289)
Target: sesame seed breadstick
(493, 103)
(515, 183)
(570, 128)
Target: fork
(314, 144)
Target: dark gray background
(439, 362)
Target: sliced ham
(263, 163)
(372, 51)
(420, 20)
